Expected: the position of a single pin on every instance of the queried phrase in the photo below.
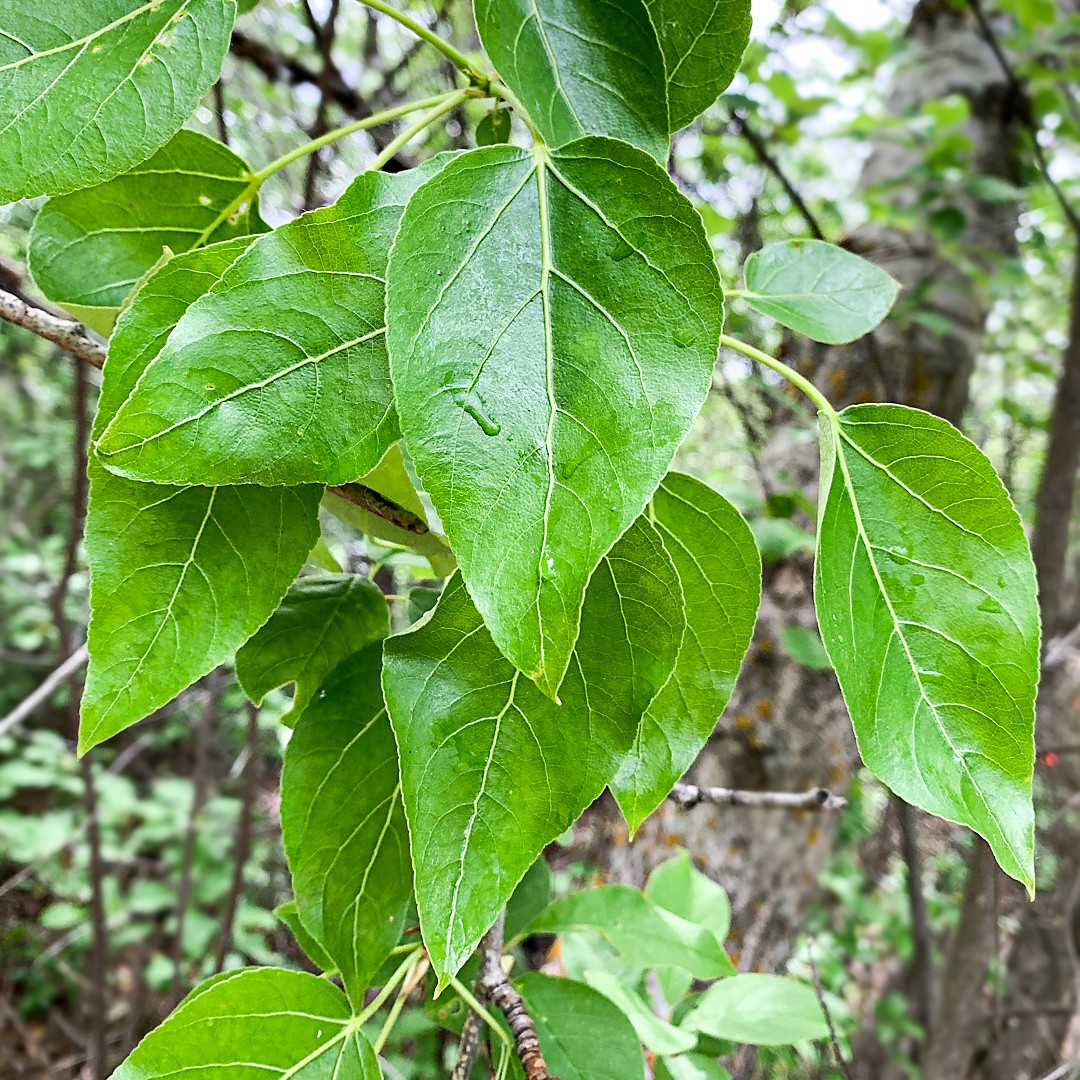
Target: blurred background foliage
(186, 803)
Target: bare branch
(44, 691)
(370, 500)
(841, 1061)
(468, 1047)
(68, 334)
(687, 796)
(493, 985)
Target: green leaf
(320, 622)
(485, 771)
(819, 290)
(90, 88)
(581, 67)
(344, 828)
(720, 572)
(926, 601)
(703, 43)
(679, 887)
(89, 249)
(657, 1034)
(494, 128)
(279, 374)
(180, 578)
(532, 895)
(391, 478)
(644, 933)
(550, 347)
(259, 1021)
(290, 916)
(762, 1010)
(691, 1067)
(582, 1035)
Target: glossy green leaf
(679, 887)
(290, 916)
(279, 374)
(344, 828)
(391, 478)
(804, 646)
(180, 578)
(553, 326)
(582, 1035)
(703, 42)
(581, 67)
(720, 571)
(925, 594)
(819, 290)
(320, 622)
(643, 932)
(90, 88)
(89, 249)
(261, 1022)
(763, 1010)
(485, 771)
(657, 1034)
(532, 895)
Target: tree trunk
(787, 727)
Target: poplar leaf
(486, 771)
(90, 88)
(554, 319)
(642, 931)
(279, 374)
(819, 290)
(89, 249)
(581, 67)
(320, 622)
(583, 1035)
(762, 1010)
(720, 572)
(925, 594)
(268, 1022)
(703, 42)
(180, 578)
(344, 828)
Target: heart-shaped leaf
(551, 342)
(925, 595)
(718, 565)
(90, 88)
(180, 578)
(581, 67)
(486, 773)
(90, 248)
(341, 815)
(320, 622)
(264, 1021)
(819, 290)
(279, 374)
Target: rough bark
(786, 727)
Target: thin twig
(687, 796)
(468, 1047)
(242, 846)
(369, 499)
(493, 985)
(68, 334)
(45, 691)
(923, 956)
(765, 156)
(99, 943)
(841, 1062)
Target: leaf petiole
(391, 985)
(443, 106)
(414, 975)
(792, 376)
(457, 58)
